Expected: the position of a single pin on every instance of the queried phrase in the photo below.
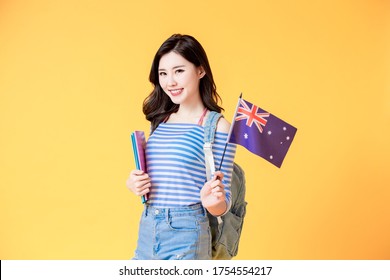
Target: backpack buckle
(209, 160)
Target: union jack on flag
(249, 113)
(270, 137)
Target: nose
(171, 80)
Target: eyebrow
(179, 66)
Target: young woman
(174, 223)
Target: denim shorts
(174, 234)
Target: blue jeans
(174, 234)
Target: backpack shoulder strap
(211, 126)
(209, 135)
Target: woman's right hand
(139, 182)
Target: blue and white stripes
(176, 164)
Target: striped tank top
(176, 164)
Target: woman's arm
(215, 194)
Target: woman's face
(179, 78)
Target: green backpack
(225, 230)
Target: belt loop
(146, 210)
(167, 214)
(204, 211)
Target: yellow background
(73, 75)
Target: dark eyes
(178, 71)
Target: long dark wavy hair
(157, 106)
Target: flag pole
(230, 131)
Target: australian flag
(261, 132)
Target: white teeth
(175, 91)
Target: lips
(176, 92)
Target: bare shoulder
(223, 125)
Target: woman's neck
(187, 114)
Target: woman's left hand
(213, 194)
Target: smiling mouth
(176, 92)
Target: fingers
(218, 191)
(137, 172)
(142, 187)
(215, 185)
(142, 191)
(139, 182)
(218, 175)
(217, 188)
